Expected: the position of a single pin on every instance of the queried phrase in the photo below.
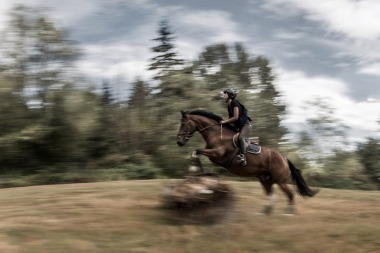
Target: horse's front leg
(209, 152)
(195, 163)
(215, 155)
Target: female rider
(238, 117)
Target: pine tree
(166, 58)
(140, 95)
(107, 93)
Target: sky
(327, 49)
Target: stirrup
(242, 159)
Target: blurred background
(65, 119)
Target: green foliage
(36, 53)
(268, 108)
(140, 171)
(344, 170)
(75, 135)
(166, 58)
(369, 153)
(221, 66)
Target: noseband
(188, 135)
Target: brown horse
(269, 166)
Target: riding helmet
(231, 93)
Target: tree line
(50, 125)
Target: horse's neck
(213, 133)
(203, 125)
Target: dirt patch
(201, 199)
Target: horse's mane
(206, 114)
(210, 115)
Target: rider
(238, 116)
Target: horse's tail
(302, 188)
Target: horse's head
(186, 129)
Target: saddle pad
(251, 147)
(254, 149)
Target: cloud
(286, 35)
(116, 36)
(355, 19)
(299, 88)
(115, 59)
(373, 69)
(215, 26)
(353, 26)
(67, 12)
(128, 55)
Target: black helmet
(231, 93)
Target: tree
(140, 110)
(243, 66)
(14, 114)
(268, 108)
(213, 65)
(140, 93)
(166, 58)
(221, 66)
(36, 59)
(327, 131)
(369, 153)
(36, 53)
(107, 93)
(343, 169)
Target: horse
(269, 166)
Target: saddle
(251, 144)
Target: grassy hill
(126, 216)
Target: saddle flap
(252, 144)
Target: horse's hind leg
(291, 205)
(267, 184)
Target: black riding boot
(242, 159)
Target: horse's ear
(183, 114)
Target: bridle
(188, 135)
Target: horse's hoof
(290, 211)
(267, 210)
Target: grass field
(126, 216)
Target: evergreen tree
(141, 115)
(140, 95)
(107, 93)
(166, 58)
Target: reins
(188, 135)
(209, 127)
(221, 129)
